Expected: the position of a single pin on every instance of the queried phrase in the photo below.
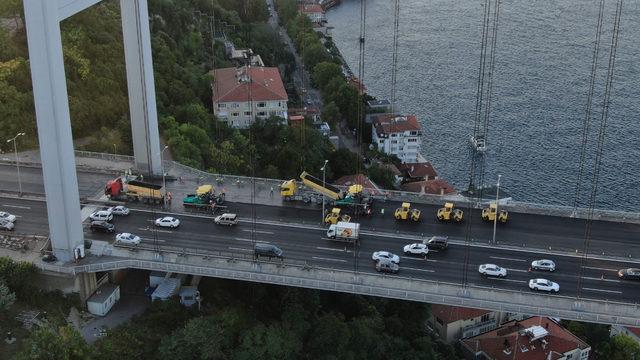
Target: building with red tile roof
(240, 95)
(314, 12)
(632, 332)
(399, 135)
(535, 338)
(454, 322)
(433, 187)
(418, 171)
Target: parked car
(168, 221)
(128, 238)
(543, 285)
(416, 249)
(437, 242)
(629, 274)
(385, 265)
(102, 226)
(385, 255)
(6, 225)
(101, 215)
(119, 210)
(6, 216)
(268, 250)
(492, 270)
(49, 258)
(547, 265)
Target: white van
(226, 219)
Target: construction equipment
(334, 217)
(205, 196)
(489, 214)
(448, 213)
(406, 212)
(129, 188)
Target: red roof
(511, 336)
(450, 314)
(233, 85)
(360, 179)
(296, 118)
(418, 170)
(633, 330)
(435, 187)
(390, 123)
(310, 8)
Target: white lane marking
(425, 270)
(601, 290)
(158, 230)
(239, 249)
(328, 259)
(17, 206)
(518, 270)
(503, 279)
(601, 279)
(412, 258)
(509, 259)
(249, 240)
(258, 231)
(599, 268)
(332, 249)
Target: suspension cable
(394, 61)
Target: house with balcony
(241, 95)
(314, 12)
(453, 323)
(398, 135)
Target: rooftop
(236, 84)
(450, 314)
(391, 123)
(435, 187)
(535, 338)
(418, 170)
(310, 8)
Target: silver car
(379, 255)
(547, 265)
(492, 270)
(543, 285)
(6, 225)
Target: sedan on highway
(119, 210)
(416, 249)
(543, 285)
(547, 265)
(629, 274)
(168, 221)
(128, 238)
(6, 225)
(6, 216)
(492, 270)
(385, 255)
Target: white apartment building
(314, 12)
(240, 95)
(399, 135)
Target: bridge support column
(140, 81)
(54, 126)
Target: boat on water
(478, 143)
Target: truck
(204, 197)
(344, 231)
(129, 188)
(351, 200)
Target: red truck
(130, 189)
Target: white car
(168, 221)
(416, 249)
(492, 270)
(119, 210)
(6, 225)
(128, 238)
(547, 265)
(385, 255)
(544, 285)
(6, 216)
(101, 215)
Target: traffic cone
(529, 268)
(602, 277)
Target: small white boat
(478, 143)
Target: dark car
(268, 250)
(437, 243)
(629, 274)
(102, 226)
(49, 258)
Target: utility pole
(164, 181)
(15, 150)
(324, 171)
(495, 218)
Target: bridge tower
(43, 19)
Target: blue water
(543, 62)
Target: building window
(222, 106)
(439, 321)
(235, 114)
(261, 104)
(412, 140)
(381, 141)
(394, 141)
(247, 113)
(484, 318)
(262, 113)
(235, 105)
(272, 113)
(414, 133)
(394, 135)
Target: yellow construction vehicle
(406, 212)
(334, 217)
(489, 214)
(448, 213)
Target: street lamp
(164, 181)
(114, 150)
(15, 149)
(324, 171)
(495, 218)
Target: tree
(331, 335)
(325, 71)
(331, 114)
(48, 344)
(621, 347)
(18, 276)
(344, 162)
(381, 176)
(7, 298)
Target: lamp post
(324, 171)
(114, 150)
(15, 149)
(495, 218)
(164, 181)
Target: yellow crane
(448, 213)
(406, 212)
